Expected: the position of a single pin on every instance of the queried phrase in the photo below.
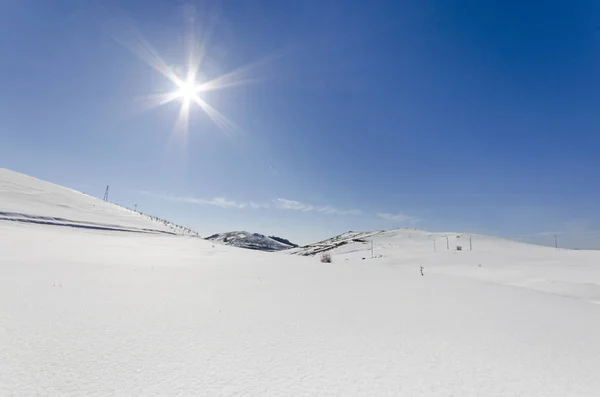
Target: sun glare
(188, 90)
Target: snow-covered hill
(575, 274)
(253, 241)
(407, 238)
(335, 242)
(26, 199)
(95, 311)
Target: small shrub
(325, 257)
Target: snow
(98, 311)
(569, 273)
(27, 199)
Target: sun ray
(221, 121)
(155, 100)
(234, 78)
(181, 126)
(192, 66)
(188, 85)
(135, 42)
(197, 50)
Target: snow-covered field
(96, 311)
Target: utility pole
(555, 242)
(470, 243)
(434, 245)
(106, 194)
(447, 244)
(372, 255)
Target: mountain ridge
(253, 241)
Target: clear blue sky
(474, 116)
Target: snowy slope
(335, 242)
(569, 273)
(407, 236)
(249, 240)
(100, 312)
(27, 199)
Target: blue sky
(440, 115)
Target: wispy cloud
(217, 201)
(225, 203)
(337, 211)
(279, 204)
(256, 206)
(397, 217)
(294, 205)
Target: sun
(188, 90)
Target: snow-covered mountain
(87, 309)
(253, 241)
